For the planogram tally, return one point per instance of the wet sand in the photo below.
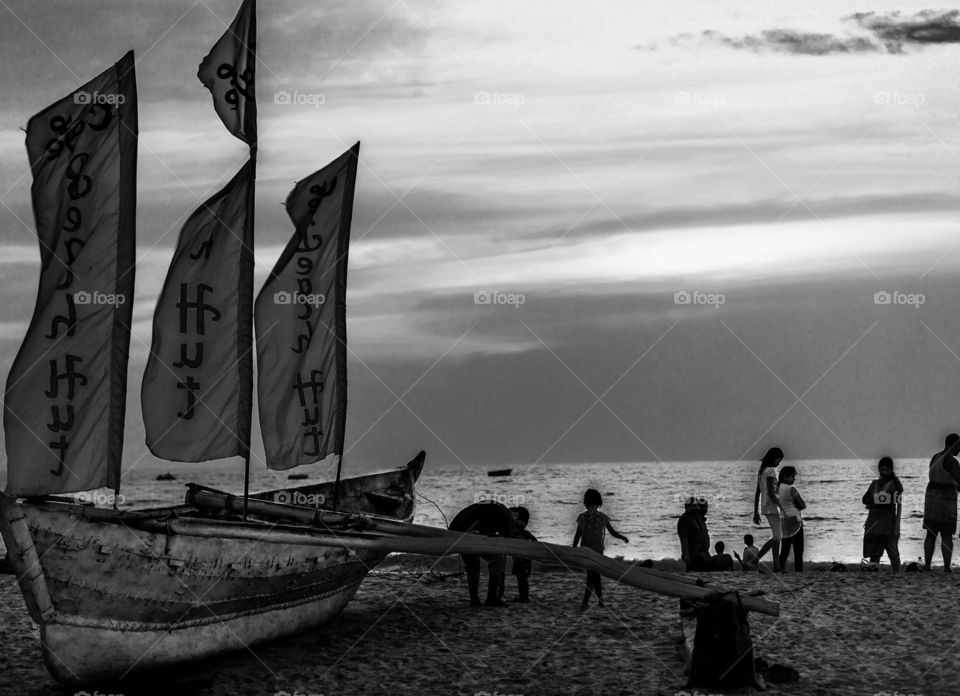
(845, 633)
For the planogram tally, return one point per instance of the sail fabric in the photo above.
(66, 392)
(197, 387)
(228, 71)
(301, 323)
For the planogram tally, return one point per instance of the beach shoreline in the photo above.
(409, 631)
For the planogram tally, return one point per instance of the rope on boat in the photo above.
(446, 522)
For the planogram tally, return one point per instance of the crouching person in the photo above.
(487, 519)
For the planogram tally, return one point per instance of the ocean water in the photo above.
(642, 499)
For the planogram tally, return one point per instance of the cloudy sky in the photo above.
(594, 165)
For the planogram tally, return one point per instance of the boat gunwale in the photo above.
(186, 510)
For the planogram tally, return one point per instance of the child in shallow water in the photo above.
(592, 525)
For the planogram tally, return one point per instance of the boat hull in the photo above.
(94, 654)
(119, 594)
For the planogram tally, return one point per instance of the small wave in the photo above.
(816, 518)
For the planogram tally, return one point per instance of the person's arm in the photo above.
(772, 492)
(756, 503)
(798, 501)
(743, 566)
(899, 489)
(684, 547)
(868, 496)
(954, 468)
(615, 533)
(576, 537)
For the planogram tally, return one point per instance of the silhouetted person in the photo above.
(767, 501)
(488, 519)
(882, 529)
(751, 555)
(694, 538)
(592, 525)
(940, 502)
(721, 560)
(791, 524)
(522, 567)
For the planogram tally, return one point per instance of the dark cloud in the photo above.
(48, 48)
(798, 42)
(897, 30)
(888, 32)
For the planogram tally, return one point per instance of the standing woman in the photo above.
(791, 526)
(882, 529)
(767, 501)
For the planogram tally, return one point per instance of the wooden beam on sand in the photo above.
(442, 542)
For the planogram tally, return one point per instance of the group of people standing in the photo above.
(776, 498)
(781, 503)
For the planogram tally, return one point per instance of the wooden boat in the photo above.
(500, 472)
(166, 477)
(116, 593)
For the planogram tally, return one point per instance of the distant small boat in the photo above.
(499, 472)
(166, 477)
(298, 477)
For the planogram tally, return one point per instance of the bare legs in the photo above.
(946, 548)
(774, 544)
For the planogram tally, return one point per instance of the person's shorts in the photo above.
(774, 522)
(941, 527)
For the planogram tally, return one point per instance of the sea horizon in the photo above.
(643, 499)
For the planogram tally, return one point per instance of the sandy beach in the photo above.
(845, 633)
